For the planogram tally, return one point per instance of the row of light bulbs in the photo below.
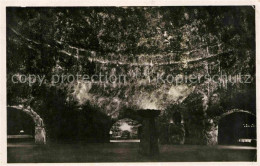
(247, 125)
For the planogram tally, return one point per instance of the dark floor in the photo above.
(124, 152)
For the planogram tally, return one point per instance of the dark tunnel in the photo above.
(237, 128)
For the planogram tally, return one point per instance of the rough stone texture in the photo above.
(211, 133)
(40, 135)
(138, 43)
(212, 136)
(172, 134)
(176, 134)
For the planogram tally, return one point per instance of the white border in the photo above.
(23, 3)
(127, 2)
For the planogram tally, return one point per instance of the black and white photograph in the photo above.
(106, 84)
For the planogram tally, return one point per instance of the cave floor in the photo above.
(123, 152)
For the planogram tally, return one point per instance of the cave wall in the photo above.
(139, 42)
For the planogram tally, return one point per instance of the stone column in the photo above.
(40, 135)
(149, 137)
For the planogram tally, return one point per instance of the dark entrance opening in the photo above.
(20, 126)
(237, 129)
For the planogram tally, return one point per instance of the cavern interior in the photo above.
(170, 75)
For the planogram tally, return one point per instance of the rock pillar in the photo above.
(40, 135)
(149, 137)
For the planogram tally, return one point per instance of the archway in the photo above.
(237, 127)
(25, 123)
(20, 126)
(176, 130)
(125, 130)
